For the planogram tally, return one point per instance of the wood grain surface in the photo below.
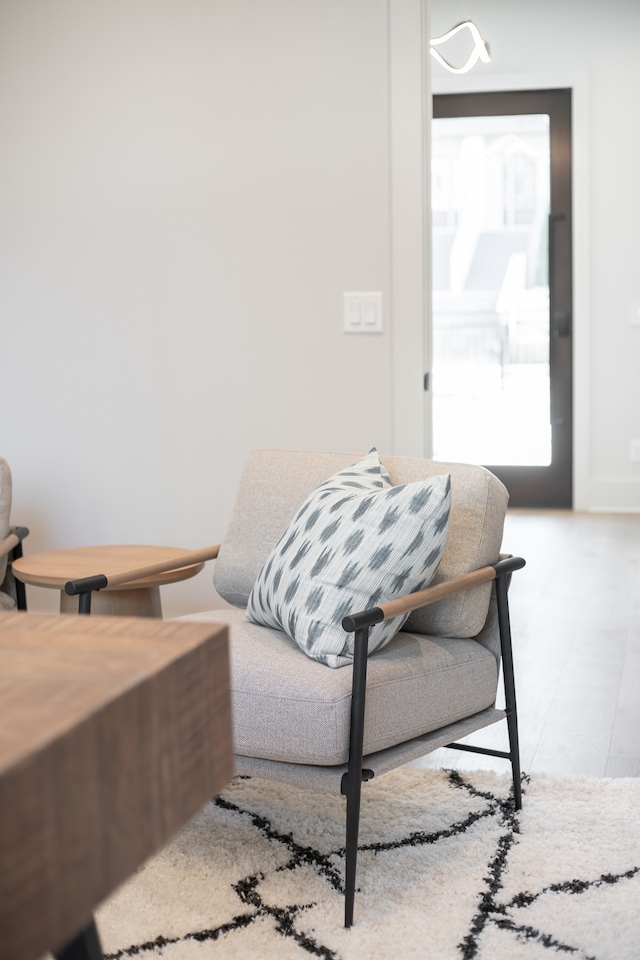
(421, 598)
(55, 567)
(114, 732)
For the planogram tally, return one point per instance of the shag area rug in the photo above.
(447, 870)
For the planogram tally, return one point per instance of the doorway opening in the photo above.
(501, 241)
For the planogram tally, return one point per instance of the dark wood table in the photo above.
(114, 732)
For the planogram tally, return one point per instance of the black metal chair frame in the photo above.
(352, 780)
(12, 547)
(360, 624)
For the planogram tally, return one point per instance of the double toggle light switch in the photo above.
(363, 313)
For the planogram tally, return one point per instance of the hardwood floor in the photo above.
(575, 615)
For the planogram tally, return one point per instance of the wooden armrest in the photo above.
(422, 598)
(12, 540)
(100, 581)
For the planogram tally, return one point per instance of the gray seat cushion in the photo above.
(6, 602)
(289, 707)
(5, 512)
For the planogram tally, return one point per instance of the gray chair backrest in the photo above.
(5, 509)
(275, 483)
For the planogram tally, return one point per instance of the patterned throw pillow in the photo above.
(356, 542)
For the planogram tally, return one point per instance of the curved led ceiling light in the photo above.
(480, 50)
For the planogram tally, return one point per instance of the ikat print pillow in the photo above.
(356, 542)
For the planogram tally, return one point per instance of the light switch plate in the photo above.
(362, 313)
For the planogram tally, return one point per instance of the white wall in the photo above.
(187, 188)
(592, 47)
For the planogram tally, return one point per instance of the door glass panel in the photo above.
(490, 209)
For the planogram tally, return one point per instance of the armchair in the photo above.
(12, 591)
(302, 722)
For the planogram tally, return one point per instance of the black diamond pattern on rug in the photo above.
(498, 913)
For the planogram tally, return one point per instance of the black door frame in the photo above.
(533, 486)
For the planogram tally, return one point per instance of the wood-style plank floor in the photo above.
(575, 616)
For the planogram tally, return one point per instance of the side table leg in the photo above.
(85, 946)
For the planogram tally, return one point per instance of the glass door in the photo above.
(501, 221)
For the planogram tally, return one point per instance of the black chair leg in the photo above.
(352, 780)
(84, 603)
(351, 856)
(85, 946)
(509, 686)
(512, 726)
(21, 593)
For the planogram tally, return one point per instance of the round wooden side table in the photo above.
(138, 598)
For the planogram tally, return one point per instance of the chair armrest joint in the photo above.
(85, 584)
(358, 621)
(11, 545)
(507, 565)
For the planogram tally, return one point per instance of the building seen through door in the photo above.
(501, 289)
